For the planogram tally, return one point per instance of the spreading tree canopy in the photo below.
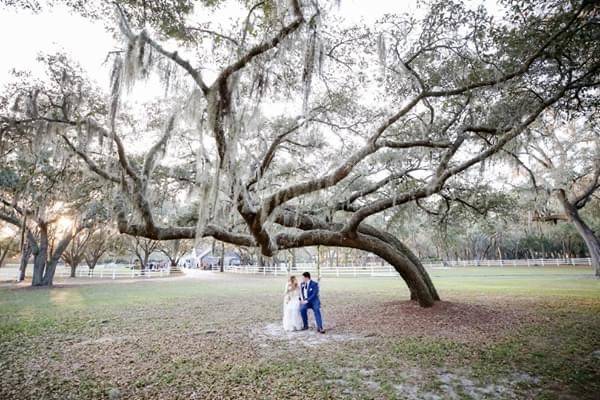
(291, 127)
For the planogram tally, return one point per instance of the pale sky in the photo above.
(25, 35)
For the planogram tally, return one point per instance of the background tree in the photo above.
(74, 254)
(9, 246)
(175, 249)
(143, 249)
(101, 241)
(561, 158)
(41, 188)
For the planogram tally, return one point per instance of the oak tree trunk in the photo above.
(413, 273)
(40, 257)
(222, 259)
(25, 255)
(587, 234)
(3, 256)
(369, 239)
(49, 273)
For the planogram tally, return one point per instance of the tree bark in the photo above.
(25, 255)
(222, 260)
(396, 243)
(26, 249)
(372, 240)
(73, 270)
(40, 257)
(49, 273)
(587, 234)
(3, 255)
(48, 279)
(259, 261)
(91, 262)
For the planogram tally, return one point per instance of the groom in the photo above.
(310, 299)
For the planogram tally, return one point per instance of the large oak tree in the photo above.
(300, 128)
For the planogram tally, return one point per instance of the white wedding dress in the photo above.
(292, 320)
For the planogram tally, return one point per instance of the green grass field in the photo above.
(498, 333)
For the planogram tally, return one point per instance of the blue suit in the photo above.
(313, 302)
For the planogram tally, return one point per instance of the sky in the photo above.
(25, 35)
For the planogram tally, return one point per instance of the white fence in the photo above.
(377, 269)
(102, 271)
(528, 262)
(119, 271)
(113, 271)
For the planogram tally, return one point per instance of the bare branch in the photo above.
(90, 163)
(211, 32)
(580, 201)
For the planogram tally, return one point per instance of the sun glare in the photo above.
(64, 224)
(7, 231)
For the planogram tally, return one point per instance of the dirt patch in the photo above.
(457, 385)
(463, 322)
(104, 341)
(309, 338)
(438, 384)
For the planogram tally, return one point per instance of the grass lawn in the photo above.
(500, 333)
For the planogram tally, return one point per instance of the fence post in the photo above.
(114, 276)
(101, 271)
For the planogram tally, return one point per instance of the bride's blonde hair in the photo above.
(293, 282)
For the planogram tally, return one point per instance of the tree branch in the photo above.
(194, 73)
(443, 173)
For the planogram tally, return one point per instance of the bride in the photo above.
(292, 320)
